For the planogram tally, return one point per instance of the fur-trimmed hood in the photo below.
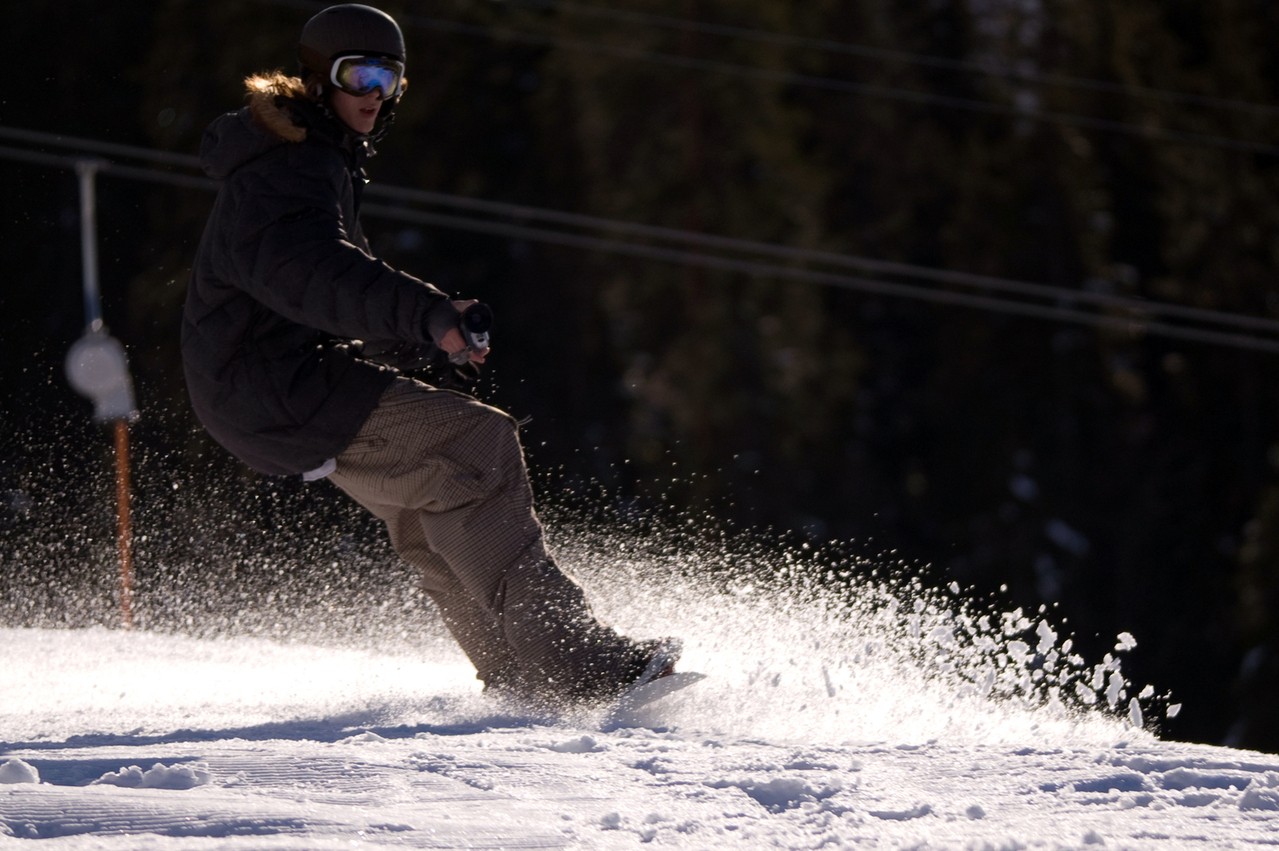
(272, 117)
(263, 92)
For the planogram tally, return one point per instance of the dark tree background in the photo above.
(827, 374)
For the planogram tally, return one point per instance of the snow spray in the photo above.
(796, 645)
(849, 651)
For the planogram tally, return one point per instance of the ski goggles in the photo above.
(359, 75)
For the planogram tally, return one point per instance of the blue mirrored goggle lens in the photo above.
(359, 75)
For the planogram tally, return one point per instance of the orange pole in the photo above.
(124, 526)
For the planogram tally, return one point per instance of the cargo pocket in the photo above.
(454, 484)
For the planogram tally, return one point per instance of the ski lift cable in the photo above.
(873, 90)
(791, 78)
(831, 258)
(1133, 324)
(1001, 70)
(629, 18)
(696, 245)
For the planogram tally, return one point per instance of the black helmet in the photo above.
(348, 29)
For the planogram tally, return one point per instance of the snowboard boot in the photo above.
(643, 662)
(602, 682)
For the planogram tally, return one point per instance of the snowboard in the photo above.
(636, 698)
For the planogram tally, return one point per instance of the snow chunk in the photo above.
(17, 771)
(157, 777)
(779, 794)
(1135, 717)
(903, 815)
(1262, 793)
(362, 738)
(582, 744)
(1114, 689)
(1124, 781)
(1047, 638)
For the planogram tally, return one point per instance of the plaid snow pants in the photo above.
(447, 476)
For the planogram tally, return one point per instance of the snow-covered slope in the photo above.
(125, 740)
(886, 720)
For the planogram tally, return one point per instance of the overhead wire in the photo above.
(698, 239)
(1135, 323)
(760, 259)
(997, 69)
(1019, 111)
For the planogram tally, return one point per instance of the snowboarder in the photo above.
(291, 334)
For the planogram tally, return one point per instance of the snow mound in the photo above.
(1262, 793)
(17, 771)
(157, 777)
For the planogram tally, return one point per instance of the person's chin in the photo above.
(361, 129)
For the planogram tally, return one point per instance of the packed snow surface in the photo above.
(884, 720)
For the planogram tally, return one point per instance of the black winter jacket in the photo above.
(283, 282)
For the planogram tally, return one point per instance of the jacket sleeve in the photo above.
(294, 249)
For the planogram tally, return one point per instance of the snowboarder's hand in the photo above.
(452, 342)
